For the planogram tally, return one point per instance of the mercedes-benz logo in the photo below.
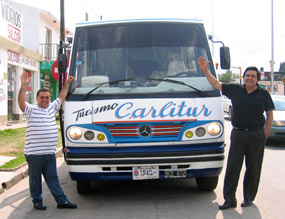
(145, 131)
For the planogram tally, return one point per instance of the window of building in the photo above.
(30, 88)
(12, 95)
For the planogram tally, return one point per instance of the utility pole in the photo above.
(61, 60)
(62, 25)
(272, 49)
(61, 52)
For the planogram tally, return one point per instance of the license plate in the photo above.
(148, 172)
(175, 173)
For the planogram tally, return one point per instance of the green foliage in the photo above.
(7, 132)
(226, 77)
(14, 163)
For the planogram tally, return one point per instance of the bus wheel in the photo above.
(83, 187)
(207, 183)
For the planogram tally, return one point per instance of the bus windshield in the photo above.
(137, 58)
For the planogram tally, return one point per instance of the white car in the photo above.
(227, 105)
(278, 126)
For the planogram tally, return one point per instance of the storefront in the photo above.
(14, 59)
(47, 80)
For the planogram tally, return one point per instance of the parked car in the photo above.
(278, 126)
(227, 103)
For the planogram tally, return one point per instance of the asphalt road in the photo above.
(155, 199)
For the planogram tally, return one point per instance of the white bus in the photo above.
(140, 108)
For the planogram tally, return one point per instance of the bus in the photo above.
(140, 108)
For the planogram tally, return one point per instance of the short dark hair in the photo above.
(42, 90)
(252, 68)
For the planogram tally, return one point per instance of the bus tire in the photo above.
(207, 183)
(83, 187)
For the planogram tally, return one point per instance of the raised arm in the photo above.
(22, 92)
(212, 80)
(63, 93)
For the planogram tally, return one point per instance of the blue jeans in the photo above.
(46, 165)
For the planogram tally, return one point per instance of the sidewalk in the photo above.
(8, 178)
(13, 125)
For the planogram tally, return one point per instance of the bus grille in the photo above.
(154, 131)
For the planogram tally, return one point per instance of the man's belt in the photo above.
(246, 129)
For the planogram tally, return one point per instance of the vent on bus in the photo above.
(155, 130)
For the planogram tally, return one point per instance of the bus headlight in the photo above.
(189, 134)
(75, 133)
(200, 132)
(89, 135)
(101, 137)
(214, 128)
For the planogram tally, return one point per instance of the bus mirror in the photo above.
(62, 63)
(225, 57)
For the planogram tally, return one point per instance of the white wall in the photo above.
(3, 83)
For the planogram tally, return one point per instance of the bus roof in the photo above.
(167, 20)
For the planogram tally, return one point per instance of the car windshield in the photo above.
(279, 103)
(143, 52)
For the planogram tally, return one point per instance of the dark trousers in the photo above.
(44, 165)
(249, 145)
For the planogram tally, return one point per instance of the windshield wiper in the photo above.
(87, 95)
(201, 93)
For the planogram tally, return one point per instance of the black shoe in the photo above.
(228, 205)
(40, 206)
(68, 204)
(246, 203)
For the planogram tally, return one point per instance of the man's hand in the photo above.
(25, 79)
(64, 91)
(212, 80)
(69, 80)
(22, 93)
(268, 123)
(203, 64)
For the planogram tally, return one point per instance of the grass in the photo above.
(12, 144)
(14, 163)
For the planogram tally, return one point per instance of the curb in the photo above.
(15, 168)
(22, 173)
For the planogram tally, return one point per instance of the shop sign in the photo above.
(29, 62)
(14, 21)
(5, 75)
(13, 57)
(2, 94)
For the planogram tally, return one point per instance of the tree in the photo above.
(226, 77)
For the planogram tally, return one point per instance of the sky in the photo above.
(245, 26)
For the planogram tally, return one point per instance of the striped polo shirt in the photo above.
(42, 132)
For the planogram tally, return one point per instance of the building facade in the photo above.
(29, 39)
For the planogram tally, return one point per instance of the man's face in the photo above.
(43, 99)
(250, 78)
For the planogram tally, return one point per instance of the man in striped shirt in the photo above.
(41, 141)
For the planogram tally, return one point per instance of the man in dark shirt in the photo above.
(248, 136)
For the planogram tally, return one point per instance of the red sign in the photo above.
(54, 70)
